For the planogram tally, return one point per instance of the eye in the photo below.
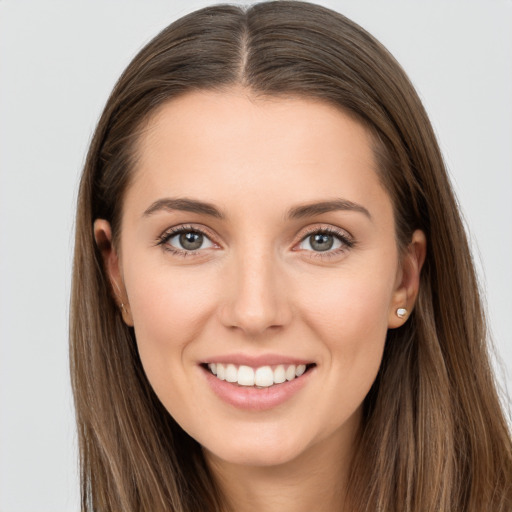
(185, 240)
(325, 241)
(320, 242)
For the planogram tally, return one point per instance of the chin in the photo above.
(258, 457)
(257, 451)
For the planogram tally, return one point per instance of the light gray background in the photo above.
(59, 61)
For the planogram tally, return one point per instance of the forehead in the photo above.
(221, 145)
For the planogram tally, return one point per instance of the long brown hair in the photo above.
(433, 436)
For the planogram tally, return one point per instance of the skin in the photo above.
(256, 286)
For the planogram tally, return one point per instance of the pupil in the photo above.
(321, 242)
(191, 241)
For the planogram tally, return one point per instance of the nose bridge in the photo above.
(256, 300)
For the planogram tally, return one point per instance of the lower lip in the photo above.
(256, 399)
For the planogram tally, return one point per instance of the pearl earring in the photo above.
(401, 312)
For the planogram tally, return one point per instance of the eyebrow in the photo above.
(312, 209)
(298, 212)
(184, 205)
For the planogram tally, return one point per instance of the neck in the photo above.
(315, 480)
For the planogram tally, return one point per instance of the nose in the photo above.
(255, 296)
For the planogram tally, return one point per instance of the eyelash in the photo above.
(346, 241)
(164, 238)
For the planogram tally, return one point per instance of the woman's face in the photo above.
(257, 238)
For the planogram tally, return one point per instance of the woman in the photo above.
(274, 306)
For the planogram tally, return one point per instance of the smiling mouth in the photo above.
(260, 377)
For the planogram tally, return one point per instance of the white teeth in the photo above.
(262, 377)
(245, 376)
(221, 372)
(231, 373)
(279, 374)
(300, 370)
(290, 372)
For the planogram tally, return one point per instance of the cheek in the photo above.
(350, 304)
(351, 317)
(169, 311)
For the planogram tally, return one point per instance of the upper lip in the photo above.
(256, 361)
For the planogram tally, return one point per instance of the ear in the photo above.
(408, 280)
(103, 237)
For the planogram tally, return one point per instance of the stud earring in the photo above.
(401, 312)
(123, 309)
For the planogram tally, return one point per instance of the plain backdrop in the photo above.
(58, 63)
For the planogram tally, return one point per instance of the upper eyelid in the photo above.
(184, 228)
(331, 230)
